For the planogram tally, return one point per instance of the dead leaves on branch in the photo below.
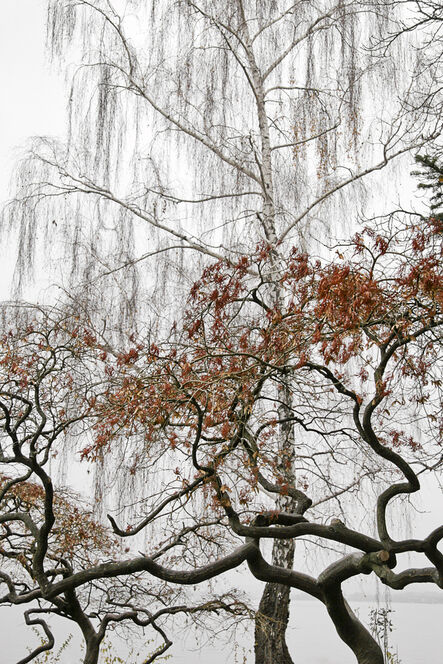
(76, 534)
(365, 325)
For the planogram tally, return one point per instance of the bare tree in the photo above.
(357, 341)
(51, 379)
(207, 128)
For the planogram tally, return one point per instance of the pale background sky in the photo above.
(32, 101)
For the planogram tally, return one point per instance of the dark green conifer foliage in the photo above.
(431, 176)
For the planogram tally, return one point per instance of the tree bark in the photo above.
(273, 613)
(272, 620)
(92, 651)
(92, 639)
(351, 630)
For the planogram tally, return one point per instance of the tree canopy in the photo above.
(358, 342)
(248, 136)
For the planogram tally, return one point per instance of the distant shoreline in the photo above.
(400, 599)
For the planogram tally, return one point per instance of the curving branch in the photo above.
(44, 647)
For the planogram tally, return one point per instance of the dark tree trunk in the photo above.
(92, 652)
(92, 638)
(351, 630)
(270, 626)
(273, 613)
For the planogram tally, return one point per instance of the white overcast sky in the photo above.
(32, 98)
(33, 103)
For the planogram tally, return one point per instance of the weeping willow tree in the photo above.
(199, 130)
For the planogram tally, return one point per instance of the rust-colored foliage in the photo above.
(75, 532)
(362, 326)
(342, 357)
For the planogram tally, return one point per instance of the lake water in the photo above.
(417, 637)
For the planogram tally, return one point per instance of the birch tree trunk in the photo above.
(272, 617)
(259, 168)
(273, 612)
